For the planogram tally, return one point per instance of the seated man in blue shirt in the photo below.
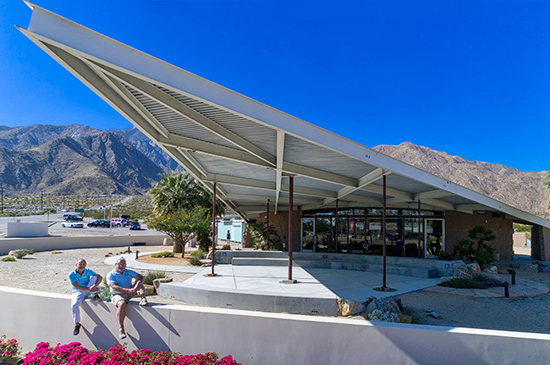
(85, 282)
(124, 283)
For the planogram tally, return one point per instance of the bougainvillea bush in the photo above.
(9, 351)
(75, 354)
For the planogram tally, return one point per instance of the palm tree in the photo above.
(181, 192)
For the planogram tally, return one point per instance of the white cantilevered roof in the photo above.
(249, 149)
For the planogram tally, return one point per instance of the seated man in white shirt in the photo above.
(85, 282)
(124, 284)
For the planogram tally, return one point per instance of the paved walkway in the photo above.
(319, 283)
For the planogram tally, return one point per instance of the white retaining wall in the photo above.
(64, 243)
(262, 338)
(27, 229)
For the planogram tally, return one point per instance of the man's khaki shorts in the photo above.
(115, 298)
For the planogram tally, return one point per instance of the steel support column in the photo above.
(290, 209)
(213, 231)
(384, 232)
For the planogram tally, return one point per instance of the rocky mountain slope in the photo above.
(523, 190)
(143, 144)
(77, 159)
(83, 163)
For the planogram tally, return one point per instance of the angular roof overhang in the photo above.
(247, 148)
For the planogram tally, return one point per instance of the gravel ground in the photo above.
(44, 271)
(47, 272)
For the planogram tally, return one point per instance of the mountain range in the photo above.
(80, 160)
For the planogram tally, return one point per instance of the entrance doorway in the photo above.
(434, 237)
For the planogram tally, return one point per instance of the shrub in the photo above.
(152, 275)
(463, 283)
(105, 290)
(7, 259)
(195, 260)
(475, 282)
(20, 253)
(226, 247)
(9, 351)
(162, 254)
(200, 253)
(75, 353)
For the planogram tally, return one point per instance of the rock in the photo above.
(434, 315)
(388, 305)
(491, 270)
(457, 267)
(149, 289)
(404, 318)
(350, 307)
(156, 282)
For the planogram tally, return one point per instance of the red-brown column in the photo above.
(384, 231)
(213, 230)
(290, 209)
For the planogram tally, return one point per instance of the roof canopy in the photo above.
(248, 148)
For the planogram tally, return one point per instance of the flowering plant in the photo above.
(74, 353)
(9, 350)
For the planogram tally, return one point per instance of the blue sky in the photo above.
(471, 78)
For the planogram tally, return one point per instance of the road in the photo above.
(56, 230)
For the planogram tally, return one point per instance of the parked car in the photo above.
(117, 222)
(72, 217)
(72, 224)
(135, 225)
(100, 223)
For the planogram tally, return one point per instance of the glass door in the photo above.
(434, 237)
(308, 234)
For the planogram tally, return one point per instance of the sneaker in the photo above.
(77, 329)
(97, 298)
(121, 333)
(143, 302)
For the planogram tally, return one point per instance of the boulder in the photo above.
(388, 305)
(445, 278)
(491, 270)
(156, 282)
(149, 289)
(404, 318)
(350, 307)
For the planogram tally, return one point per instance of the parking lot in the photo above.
(55, 229)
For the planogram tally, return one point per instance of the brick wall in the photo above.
(540, 243)
(280, 222)
(457, 225)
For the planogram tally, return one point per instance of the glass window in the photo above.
(308, 233)
(324, 227)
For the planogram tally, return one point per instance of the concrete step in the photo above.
(260, 261)
(230, 298)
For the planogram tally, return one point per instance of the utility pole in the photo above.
(2, 194)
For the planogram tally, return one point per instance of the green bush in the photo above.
(20, 253)
(152, 275)
(475, 282)
(199, 253)
(463, 283)
(7, 259)
(105, 290)
(163, 254)
(195, 260)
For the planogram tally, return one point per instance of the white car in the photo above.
(72, 224)
(117, 222)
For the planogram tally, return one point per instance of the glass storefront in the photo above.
(359, 231)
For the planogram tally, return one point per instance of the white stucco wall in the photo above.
(262, 338)
(19, 229)
(64, 243)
